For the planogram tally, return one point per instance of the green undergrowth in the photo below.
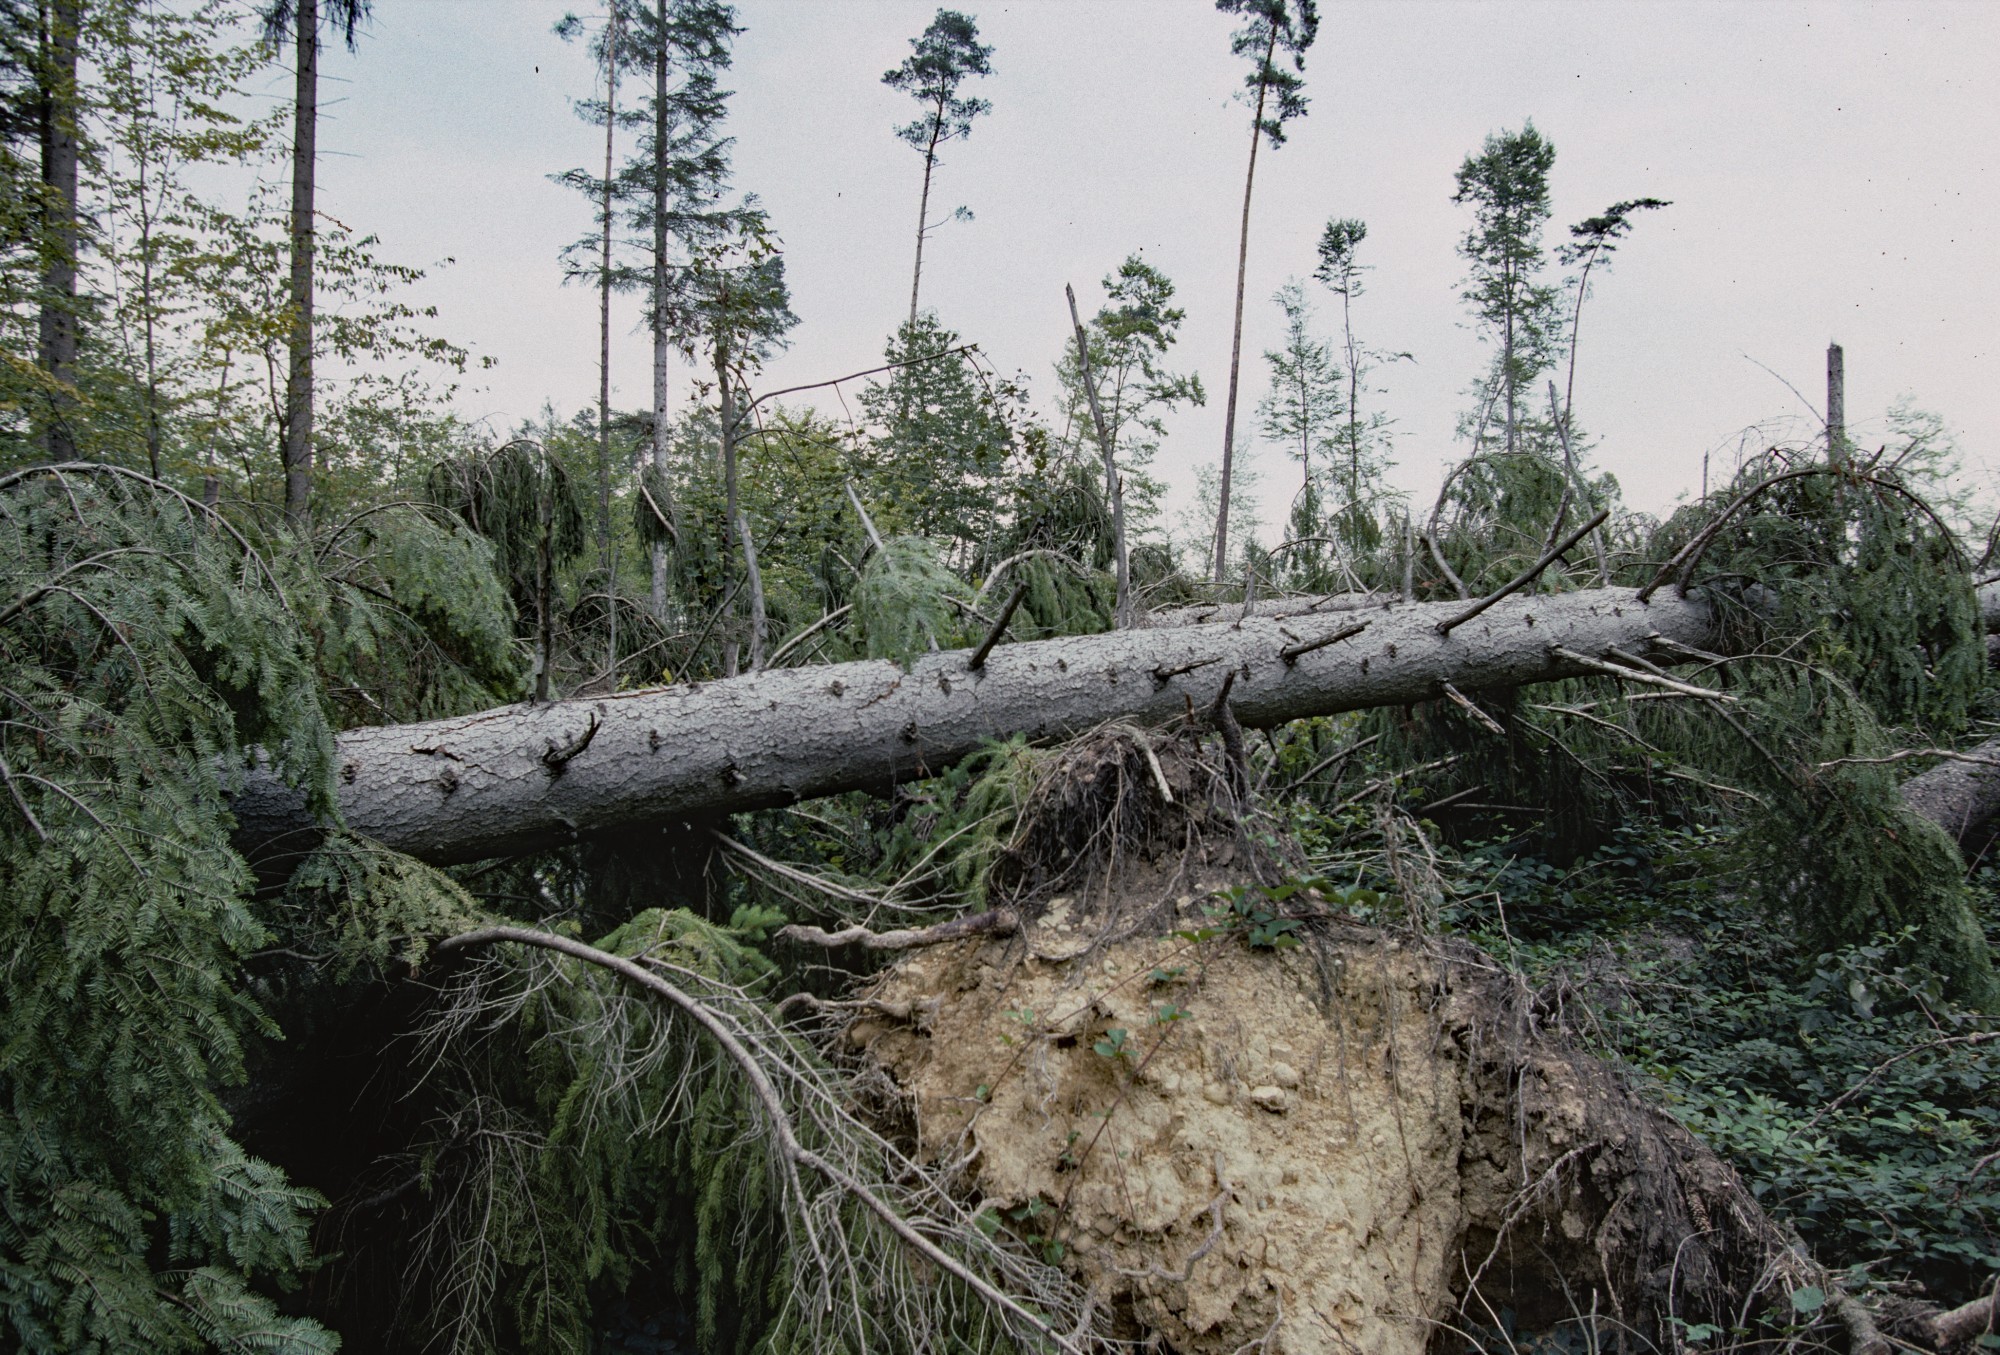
(1861, 1105)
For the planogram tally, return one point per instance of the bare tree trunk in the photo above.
(545, 581)
(605, 562)
(756, 579)
(1836, 405)
(58, 318)
(1113, 487)
(1236, 340)
(527, 777)
(533, 776)
(923, 212)
(1963, 798)
(726, 397)
(662, 340)
(298, 445)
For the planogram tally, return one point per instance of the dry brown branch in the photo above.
(992, 922)
(795, 641)
(978, 659)
(1975, 1037)
(1464, 703)
(1962, 1323)
(1526, 576)
(794, 874)
(1635, 675)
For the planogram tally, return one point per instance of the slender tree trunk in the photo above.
(605, 562)
(152, 343)
(1507, 370)
(58, 317)
(1836, 405)
(545, 581)
(726, 399)
(923, 211)
(662, 338)
(298, 445)
(756, 579)
(1353, 399)
(1113, 486)
(1575, 330)
(1236, 338)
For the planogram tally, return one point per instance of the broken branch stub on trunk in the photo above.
(477, 786)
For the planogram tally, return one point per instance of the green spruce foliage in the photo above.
(144, 651)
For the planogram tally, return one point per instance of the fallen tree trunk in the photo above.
(531, 776)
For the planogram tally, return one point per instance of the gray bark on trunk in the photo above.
(297, 452)
(533, 776)
(58, 311)
(537, 775)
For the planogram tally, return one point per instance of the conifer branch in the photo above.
(795, 1154)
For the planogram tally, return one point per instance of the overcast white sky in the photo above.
(1832, 168)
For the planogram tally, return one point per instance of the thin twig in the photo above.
(1975, 1037)
(867, 523)
(1526, 576)
(1450, 575)
(1324, 763)
(978, 659)
(794, 874)
(793, 643)
(1464, 703)
(1159, 774)
(1290, 653)
(1634, 675)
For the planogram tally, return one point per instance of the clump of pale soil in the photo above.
(1319, 1149)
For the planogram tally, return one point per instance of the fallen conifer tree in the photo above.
(526, 777)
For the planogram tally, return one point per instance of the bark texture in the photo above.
(1963, 798)
(531, 776)
(536, 775)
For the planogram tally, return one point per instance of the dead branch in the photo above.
(1464, 703)
(1526, 576)
(992, 922)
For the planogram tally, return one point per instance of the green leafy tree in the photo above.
(942, 445)
(60, 111)
(1507, 187)
(301, 21)
(141, 656)
(167, 80)
(1278, 96)
(743, 309)
(942, 58)
(1129, 338)
(1300, 413)
(1362, 441)
(673, 189)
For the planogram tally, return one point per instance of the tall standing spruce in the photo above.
(610, 51)
(59, 113)
(1507, 186)
(300, 20)
(675, 184)
(943, 58)
(1278, 96)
